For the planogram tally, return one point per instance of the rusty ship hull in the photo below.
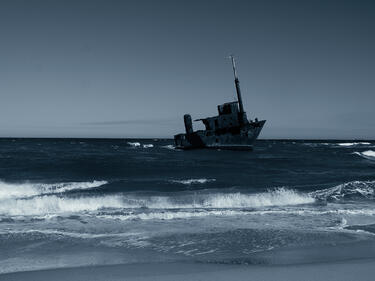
(237, 139)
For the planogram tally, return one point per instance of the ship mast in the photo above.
(237, 84)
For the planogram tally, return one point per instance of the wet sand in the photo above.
(358, 270)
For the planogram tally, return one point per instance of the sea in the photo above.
(84, 202)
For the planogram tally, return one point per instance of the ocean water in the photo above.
(77, 202)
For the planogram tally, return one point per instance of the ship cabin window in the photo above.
(216, 124)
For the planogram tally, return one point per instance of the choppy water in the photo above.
(78, 202)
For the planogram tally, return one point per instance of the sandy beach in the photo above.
(358, 270)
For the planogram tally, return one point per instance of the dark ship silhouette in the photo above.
(229, 130)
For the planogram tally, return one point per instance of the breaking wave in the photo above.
(45, 200)
(24, 190)
(53, 204)
(368, 154)
(278, 197)
(349, 190)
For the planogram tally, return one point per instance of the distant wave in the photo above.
(134, 144)
(349, 190)
(369, 154)
(334, 144)
(316, 144)
(147, 145)
(353, 143)
(24, 190)
(169, 146)
(138, 144)
(193, 181)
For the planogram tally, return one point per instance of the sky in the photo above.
(120, 69)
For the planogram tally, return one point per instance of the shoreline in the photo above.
(359, 270)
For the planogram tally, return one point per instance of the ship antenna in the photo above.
(237, 84)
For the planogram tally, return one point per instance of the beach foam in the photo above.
(170, 215)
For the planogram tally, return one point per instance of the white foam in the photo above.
(47, 205)
(198, 213)
(148, 145)
(70, 234)
(310, 212)
(171, 215)
(353, 143)
(193, 181)
(134, 144)
(368, 154)
(52, 204)
(24, 190)
(169, 146)
(278, 197)
(363, 188)
(315, 144)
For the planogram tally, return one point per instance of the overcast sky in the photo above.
(133, 68)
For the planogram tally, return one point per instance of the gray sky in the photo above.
(133, 68)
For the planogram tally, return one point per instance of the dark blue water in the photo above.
(70, 202)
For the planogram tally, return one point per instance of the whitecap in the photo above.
(368, 154)
(147, 145)
(346, 144)
(134, 144)
(193, 181)
(169, 146)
